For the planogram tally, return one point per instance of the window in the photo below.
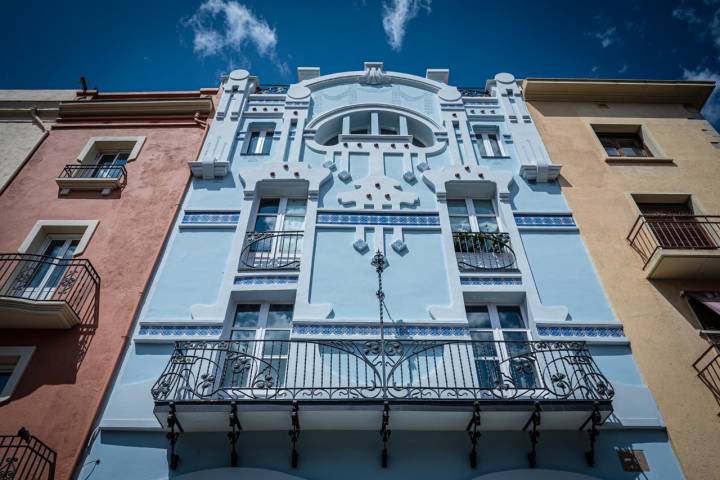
(13, 362)
(674, 225)
(38, 280)
(280, 214)
(108, 165)
(500, 345)
(472, 215)
(259, 141)
(263, 332)
(489, 144)
(706, 307)
(624, 145)
(277, 240)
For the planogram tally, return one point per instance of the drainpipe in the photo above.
(46, 131)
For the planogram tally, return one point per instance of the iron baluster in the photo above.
(378, 262)
(385, 432)
(294, 433)
(474, 433)
(595, 419)
(234, 434)
(173, 436)
(534, 434)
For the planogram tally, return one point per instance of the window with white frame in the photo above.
(489, 144)
(500, 337)
(262, 332)
(108, 165)
(472, 215)
(277, 239)
(259, 141)
(13, 362)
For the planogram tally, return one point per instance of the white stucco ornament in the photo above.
(449, 94)
(374, 74)
(505, 78)
(239, 74)
(298, 92)
(377, 192)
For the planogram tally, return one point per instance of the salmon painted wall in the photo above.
(62, 388)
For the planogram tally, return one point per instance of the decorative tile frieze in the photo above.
(364, 330)
(544, 220)
(180, 330)
(211, 218)
(581, 331)
(490, 281)
(377, 219)
(266, 280)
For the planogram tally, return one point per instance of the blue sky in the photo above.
(184, 44)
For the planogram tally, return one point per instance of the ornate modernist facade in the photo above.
(367, 253)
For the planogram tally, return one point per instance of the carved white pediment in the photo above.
(378, 192)
(284, 177)
(468, 180)
(374, 74)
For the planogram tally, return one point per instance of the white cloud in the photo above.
(594, 68)
(711, 111)
(623, 69)
(226, 27)
(396, 16)
(607, 37)
(686, 15)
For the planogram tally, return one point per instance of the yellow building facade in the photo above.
(641, 173)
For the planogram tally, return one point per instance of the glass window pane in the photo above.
(243, 335)
(510, 317)
(487, 224)
(280, 316)
(488, 373)
(457, 207)
(253, 142)
(295, 207)
(265, 223)
(247, 316)
(4, 378)
(612, 151)
(478, 316)
(276, 343)
(269, 205)
(460, 224)
(483, 207)
(293, 223)
(267, 143)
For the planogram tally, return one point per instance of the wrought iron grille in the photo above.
(483, 251)
(95, 171)
(272, 251)
(40, 278)
(707, 366)
(24, 457)
(473, 92)
(651, 233)
(356, 370)
(272, 89)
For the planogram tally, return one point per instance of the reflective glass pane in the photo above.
(280, 316)
(265, 223)
(4, 378)
(295, 207)
(483, 207)
(523, 373)
(487, 224)
(276, 342)
(510, 317)
(517, 343)
(488, 373)
(247, 316)
(457, 207)
(293, 223)
(269, 205)
(253, 142)
(460, 224)
(478, 316)
(267, 142)
(243, 335)
(494, 145)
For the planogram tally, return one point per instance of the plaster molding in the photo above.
(282, 174)
(23, 354)
(377, 192)
(97, 145)
(43, 228)
(459, 178)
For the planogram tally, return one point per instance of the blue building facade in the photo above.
(375, 274)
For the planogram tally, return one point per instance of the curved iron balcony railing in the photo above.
(115, 172)
(473, 92)
(23, 456)
(272, 251)
(482, 251)
(361, 370)
(272, 89)
(41, 279)
(651, 233)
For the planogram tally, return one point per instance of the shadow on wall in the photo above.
(549, 188)
(612, 110)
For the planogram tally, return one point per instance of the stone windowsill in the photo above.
(637, 160)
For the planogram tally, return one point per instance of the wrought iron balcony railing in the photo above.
(38, 278)
(272, 89)
(481, 251)
(362, 370)
(272, 251)
(23, 456)
(473, 92)
(651, 233)
(115, 172)
(707, 365)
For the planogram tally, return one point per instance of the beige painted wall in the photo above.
(19, 132)
(663, 332)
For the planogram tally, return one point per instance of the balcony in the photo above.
(91, 177)
(678, 246)
(346, 384)
(23, 456)
(484, 252)
(707, 365)
(271, 251)
(46, 292)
